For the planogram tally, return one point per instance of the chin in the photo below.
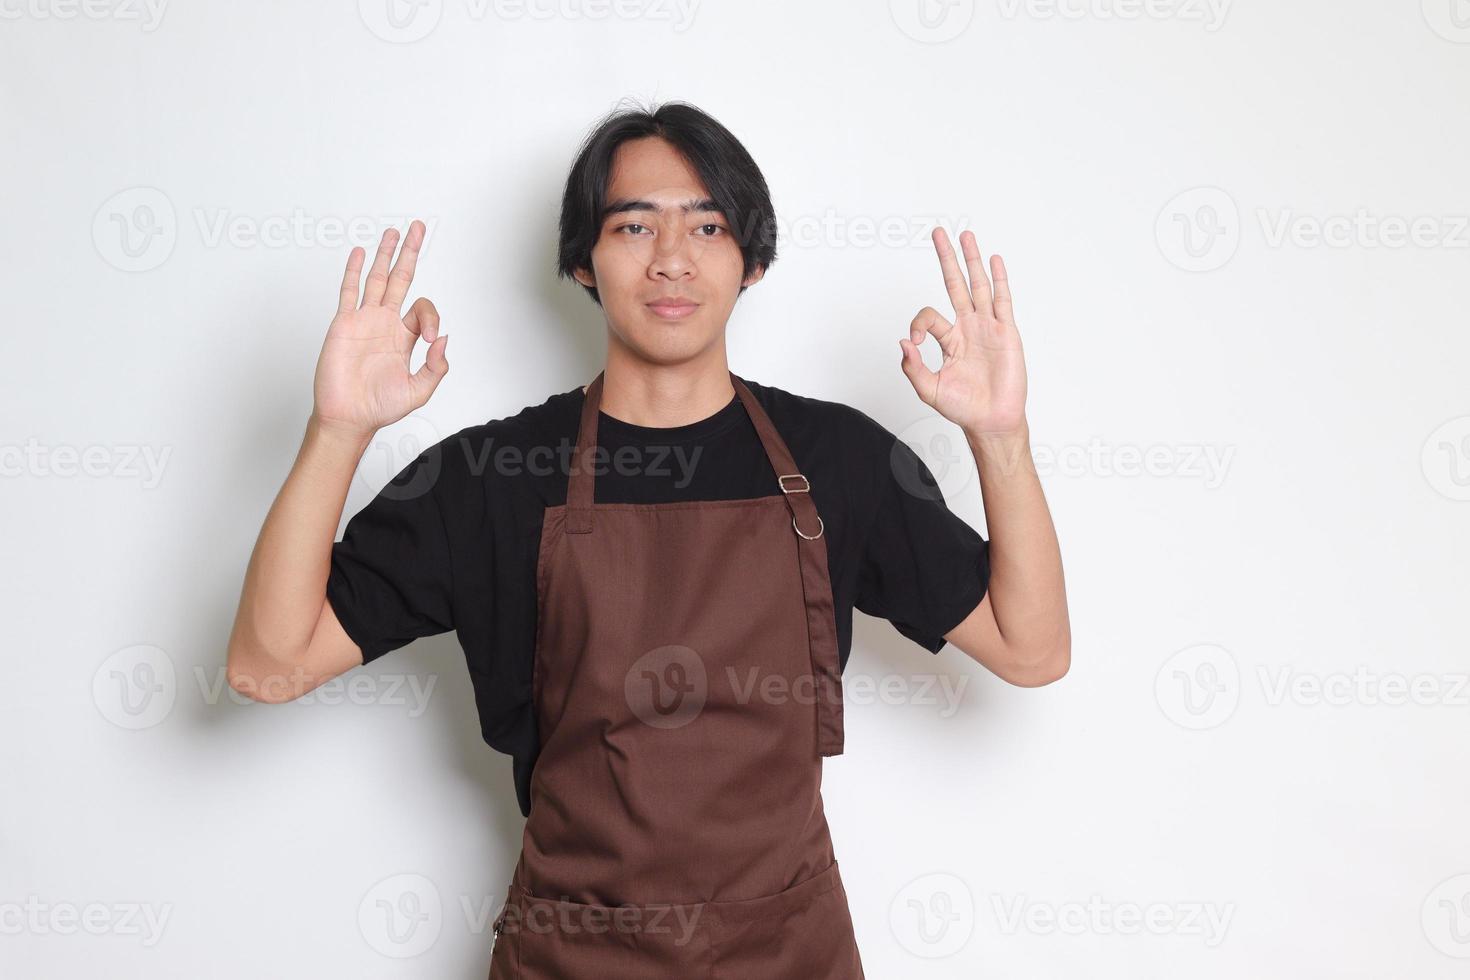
(667, 349)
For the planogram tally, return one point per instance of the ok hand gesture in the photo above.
(981, 386)
(362, 379)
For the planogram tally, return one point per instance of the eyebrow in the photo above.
(623, 205)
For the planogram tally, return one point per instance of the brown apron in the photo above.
(686, 686)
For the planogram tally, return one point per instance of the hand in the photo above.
(362, 380)
(981, 386)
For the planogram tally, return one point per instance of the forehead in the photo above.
(651, 169)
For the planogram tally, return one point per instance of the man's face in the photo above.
(667, 265)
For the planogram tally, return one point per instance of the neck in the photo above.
(665, 395)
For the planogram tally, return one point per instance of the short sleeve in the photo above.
(923, 567)
(390, 578)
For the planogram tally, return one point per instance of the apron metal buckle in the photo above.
(811, 537)
(499, 924)
(781, 481)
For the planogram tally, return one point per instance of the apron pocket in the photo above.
(558, 940)
(803, 932)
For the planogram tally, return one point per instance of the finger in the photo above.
(954, 280)
(1003, 309)
(377, 280)
(979, 284)
(422, 320)
(930, 320)
(402, 274)
(925, 381)
(351, 281)
(431, 372)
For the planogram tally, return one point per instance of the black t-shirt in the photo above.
(451, 542)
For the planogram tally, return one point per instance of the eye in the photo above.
(620, 228)
(717, 229)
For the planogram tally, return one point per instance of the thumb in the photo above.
(431, 372)
(925, 381)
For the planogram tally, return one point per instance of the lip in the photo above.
(673, 308)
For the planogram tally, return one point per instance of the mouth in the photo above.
(673, 308)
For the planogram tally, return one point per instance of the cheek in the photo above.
(617, 261)
(728, 256)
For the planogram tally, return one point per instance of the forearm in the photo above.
(1027, 592)
(286, 578)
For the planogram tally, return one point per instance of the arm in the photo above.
(286, 639)
(1020, 630)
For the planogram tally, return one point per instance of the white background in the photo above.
(1229, 757)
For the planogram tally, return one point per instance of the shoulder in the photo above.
(837, 425)
(527, 427)
(837, 445)
(500, 449)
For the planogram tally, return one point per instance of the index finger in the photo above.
(954, 280)
(402, 274)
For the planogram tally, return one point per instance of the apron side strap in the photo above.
(580, 479)
(815, 577)
(821, 626)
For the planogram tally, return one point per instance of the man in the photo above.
(653, 575)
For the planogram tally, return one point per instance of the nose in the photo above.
(675, 252)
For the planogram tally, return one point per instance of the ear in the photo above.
(585, 277)
(755, 276)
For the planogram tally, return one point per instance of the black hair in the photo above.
(722, 163)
